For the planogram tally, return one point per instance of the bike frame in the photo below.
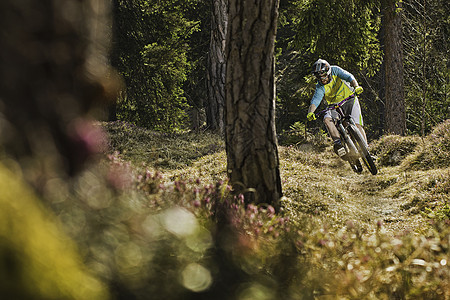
(341, 123)
(351, 137)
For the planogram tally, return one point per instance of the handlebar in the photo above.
(335, 105)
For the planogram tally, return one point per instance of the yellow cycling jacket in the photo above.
(336, 90)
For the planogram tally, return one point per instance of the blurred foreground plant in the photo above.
(181, 238)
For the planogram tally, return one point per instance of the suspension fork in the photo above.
(350, 145)
(358, 132)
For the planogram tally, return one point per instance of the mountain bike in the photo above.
(351, 138)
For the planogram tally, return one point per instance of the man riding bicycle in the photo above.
(334, 85)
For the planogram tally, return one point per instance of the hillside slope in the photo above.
(412, 184)
(322, 184)
(340, 235)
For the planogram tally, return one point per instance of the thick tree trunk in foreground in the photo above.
(54, 75)
(395, 112)
(217, 66)
(251, 142)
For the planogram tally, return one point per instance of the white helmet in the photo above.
(320, 68)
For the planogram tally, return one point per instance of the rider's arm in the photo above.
(312, 108)
(343, 74)
(315, 101)
(317, 97)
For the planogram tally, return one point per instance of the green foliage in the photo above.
(426, 29)
(195, 86)
(295, 135)
(151, 46)
(343, 32)
(298, 134)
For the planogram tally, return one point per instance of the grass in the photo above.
(158, 149)
(158, 218)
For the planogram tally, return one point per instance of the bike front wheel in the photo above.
(362, 149)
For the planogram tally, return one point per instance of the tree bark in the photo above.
(217, 66)
(54, 74)
(395, 112)
(251, 142)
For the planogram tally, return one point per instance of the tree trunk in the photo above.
(217, 66)
(54, 72)
(395, 113)
(251, 142)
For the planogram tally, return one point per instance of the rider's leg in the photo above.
(363, 132)
(334, 133)
(332, 130)
(357, 117)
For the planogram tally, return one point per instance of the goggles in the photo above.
(321, 75)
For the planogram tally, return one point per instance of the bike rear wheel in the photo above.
(362, 149)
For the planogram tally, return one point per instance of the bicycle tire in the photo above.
(352, 151)
(347, 141)
(362, 149)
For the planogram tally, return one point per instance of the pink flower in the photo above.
(88, 138)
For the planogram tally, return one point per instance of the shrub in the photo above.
(391, 150)
(433, 152)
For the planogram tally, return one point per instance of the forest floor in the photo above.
(339, 235)
(321, 184)
(369, 205)
(314, 180)
(344, 196)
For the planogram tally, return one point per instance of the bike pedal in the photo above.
(341, 152)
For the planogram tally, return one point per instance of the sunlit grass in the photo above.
(340, 235)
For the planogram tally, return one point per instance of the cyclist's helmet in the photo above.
(321, 68)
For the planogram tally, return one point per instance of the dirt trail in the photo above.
(372, 203)
(328, 184)
(378, 204)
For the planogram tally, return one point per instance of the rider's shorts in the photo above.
(351, 107)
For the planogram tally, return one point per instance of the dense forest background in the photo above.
(161, 49)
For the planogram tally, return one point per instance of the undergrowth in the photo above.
(391, 150)
(150, 229)
(433, 152)
(159, 149)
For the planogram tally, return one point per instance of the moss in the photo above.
(158, 149)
